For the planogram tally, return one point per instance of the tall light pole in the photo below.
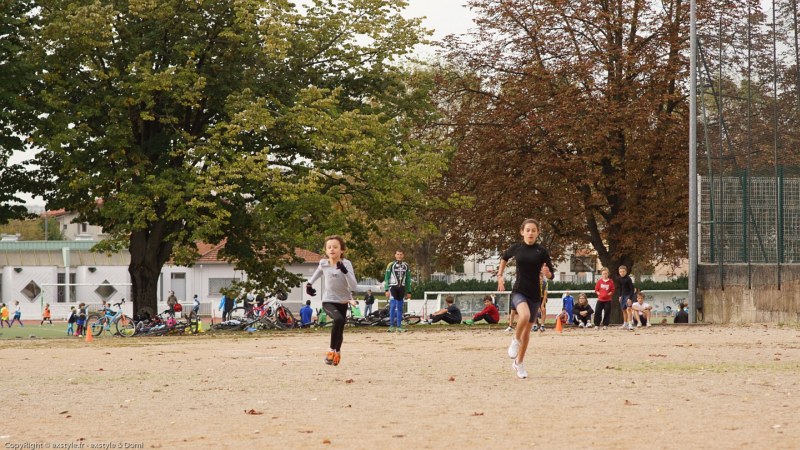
(693, 161)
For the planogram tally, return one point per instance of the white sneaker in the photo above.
(513, 349)
(589, 324)
(580, 325)
(638, 324)
(648, 324)
(509, 329)
(605, 327)
(520, 368)
(624, 326)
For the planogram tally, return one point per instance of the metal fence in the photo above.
(749, 220)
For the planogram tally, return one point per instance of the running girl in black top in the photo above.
(532, 259)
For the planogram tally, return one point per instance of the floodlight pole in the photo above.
(692, 300)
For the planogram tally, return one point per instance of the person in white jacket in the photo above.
(340, 281)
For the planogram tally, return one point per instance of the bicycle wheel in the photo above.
(98, 326)
(284, 319)
(125, 326)
(237, 314)
(410, 319)
(193, 322)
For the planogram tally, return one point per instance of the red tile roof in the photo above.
(56, 213)
(209, 253)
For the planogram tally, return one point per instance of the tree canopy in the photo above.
(574, 113)
(17, 81)
(168, 122)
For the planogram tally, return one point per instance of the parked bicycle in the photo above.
(123, 325)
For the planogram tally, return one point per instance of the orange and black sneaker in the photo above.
(329, 358)
(336, 358)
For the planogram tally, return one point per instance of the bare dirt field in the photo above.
(661, 387)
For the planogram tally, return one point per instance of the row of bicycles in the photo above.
(270, 315)
(264, 316)
(379, 318)
(144, 324)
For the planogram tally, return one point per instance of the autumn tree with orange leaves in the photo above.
(574, 113)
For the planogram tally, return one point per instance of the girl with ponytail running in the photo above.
(340, 280)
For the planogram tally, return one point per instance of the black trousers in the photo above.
(485, 317)
(338, 313)
(603, 309)
(582, 319)
(447, 317)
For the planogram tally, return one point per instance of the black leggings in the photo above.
(337, 312)
(603, 309)
(485, 317)
(447, 317)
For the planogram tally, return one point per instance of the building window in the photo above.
(61, 293)
(216, 285)
(84, 227)
(105, 290)
(31, 291)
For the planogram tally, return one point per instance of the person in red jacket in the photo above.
(489, 312)
(604, 288)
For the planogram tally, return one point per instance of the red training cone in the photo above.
(89, 337)
(559, 326)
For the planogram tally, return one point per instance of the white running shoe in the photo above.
(513, 349)
(648, 324)
(580, 324)
(589, 325)
(509, 329)
(520, 368)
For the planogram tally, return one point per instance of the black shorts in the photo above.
(517, 299)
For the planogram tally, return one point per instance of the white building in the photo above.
(35, 273)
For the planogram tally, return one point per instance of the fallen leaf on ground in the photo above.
(452, 378)
(253, 412)
(477, 414)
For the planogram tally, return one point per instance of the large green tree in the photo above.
(17, 79)
(173, 121)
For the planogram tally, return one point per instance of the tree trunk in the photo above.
(149, 252)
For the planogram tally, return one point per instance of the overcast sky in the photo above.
(444, 17)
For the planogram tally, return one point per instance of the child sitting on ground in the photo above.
(641, 311)
(450, 313)
(582, 312)
(489, 313)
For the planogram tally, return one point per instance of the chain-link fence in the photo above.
(749, 219)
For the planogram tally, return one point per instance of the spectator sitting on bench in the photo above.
(450, 314)
(641, 311)
(489, 313)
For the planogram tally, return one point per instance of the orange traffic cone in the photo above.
(559, 326)
(89, 337)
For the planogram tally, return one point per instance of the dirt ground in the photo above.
(662, 387)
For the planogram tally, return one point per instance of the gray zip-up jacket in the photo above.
(338, 286)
